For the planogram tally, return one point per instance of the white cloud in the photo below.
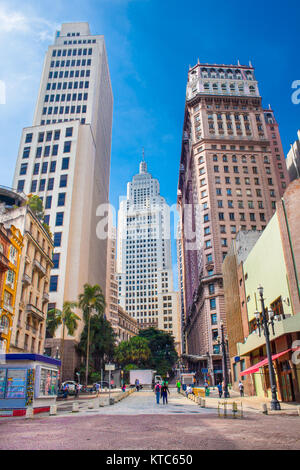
(13, 21)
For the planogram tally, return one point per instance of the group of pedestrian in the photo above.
(162, 391)
(221, 388)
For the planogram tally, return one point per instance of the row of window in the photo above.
(65, 110)
(72, 63)
(44, 167)
(55, 135)
(66, 97)
(47, 150)
(71, 52)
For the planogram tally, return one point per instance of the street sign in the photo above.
(110, 366)
(204, 371)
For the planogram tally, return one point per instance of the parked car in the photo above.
(71, 386)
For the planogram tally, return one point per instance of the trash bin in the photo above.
(207, 392)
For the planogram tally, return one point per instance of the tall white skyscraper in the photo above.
(144, 262)
(64, 158)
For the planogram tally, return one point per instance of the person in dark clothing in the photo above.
(164, 393)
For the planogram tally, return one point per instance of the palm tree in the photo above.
(91, 299)
(68, 319)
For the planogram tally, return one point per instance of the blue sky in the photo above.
(150, 45)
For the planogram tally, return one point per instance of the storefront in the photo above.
(27, 380)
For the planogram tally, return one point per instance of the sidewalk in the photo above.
(251, 403)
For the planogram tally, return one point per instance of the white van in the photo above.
(158, 379)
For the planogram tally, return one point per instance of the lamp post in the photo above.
(262, 320)
(224, 343)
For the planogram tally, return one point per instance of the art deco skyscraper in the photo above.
(64, 158)
(144, 262)
(232, 172)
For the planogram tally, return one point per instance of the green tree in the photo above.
(163, 354)
(36, 205)
(102, 343)
(65, 317)
(135, 351)
(91, 300)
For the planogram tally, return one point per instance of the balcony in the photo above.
(45, 297)
(4, 263)
(35, 312)
(8, 308)
(26, 279)
(39, 267)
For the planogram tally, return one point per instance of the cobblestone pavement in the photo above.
(137, 423)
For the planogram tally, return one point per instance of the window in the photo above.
(59, 219)
(53, 283)
(57, 239)
(42, 185)
(65, 164)
(21, 184)
(55, 259)
(214, 319)
(211, 288)
(67, 147)
(33, 186)
(26, 152)
(50, 184)
(48, 202)
(44, 167)
(28, 138)
(55, 150)
(63, 181)
(23, 169)
(61, 199)
(53, 166)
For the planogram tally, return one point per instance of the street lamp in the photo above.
(224, 344)
(263, 320)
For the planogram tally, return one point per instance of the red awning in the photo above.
(262, 363)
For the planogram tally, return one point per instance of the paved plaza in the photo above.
(138, 423)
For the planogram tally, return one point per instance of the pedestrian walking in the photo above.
(165, 391)
(123, 388)
(98, 389)
(241, 387)
(157, 392)
(137, 384)
(77, 388)
(178, 385)
(220, 388)
(66, 391)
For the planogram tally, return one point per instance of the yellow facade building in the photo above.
(9, 289)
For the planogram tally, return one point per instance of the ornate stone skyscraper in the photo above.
(232, 172)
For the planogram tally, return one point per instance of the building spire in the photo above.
(143, 164)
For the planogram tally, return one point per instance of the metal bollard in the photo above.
(203, 403)
(298, 408)
(264, 408)
(90, 405)
(53, 410)
(29, 413)
(75, 407)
